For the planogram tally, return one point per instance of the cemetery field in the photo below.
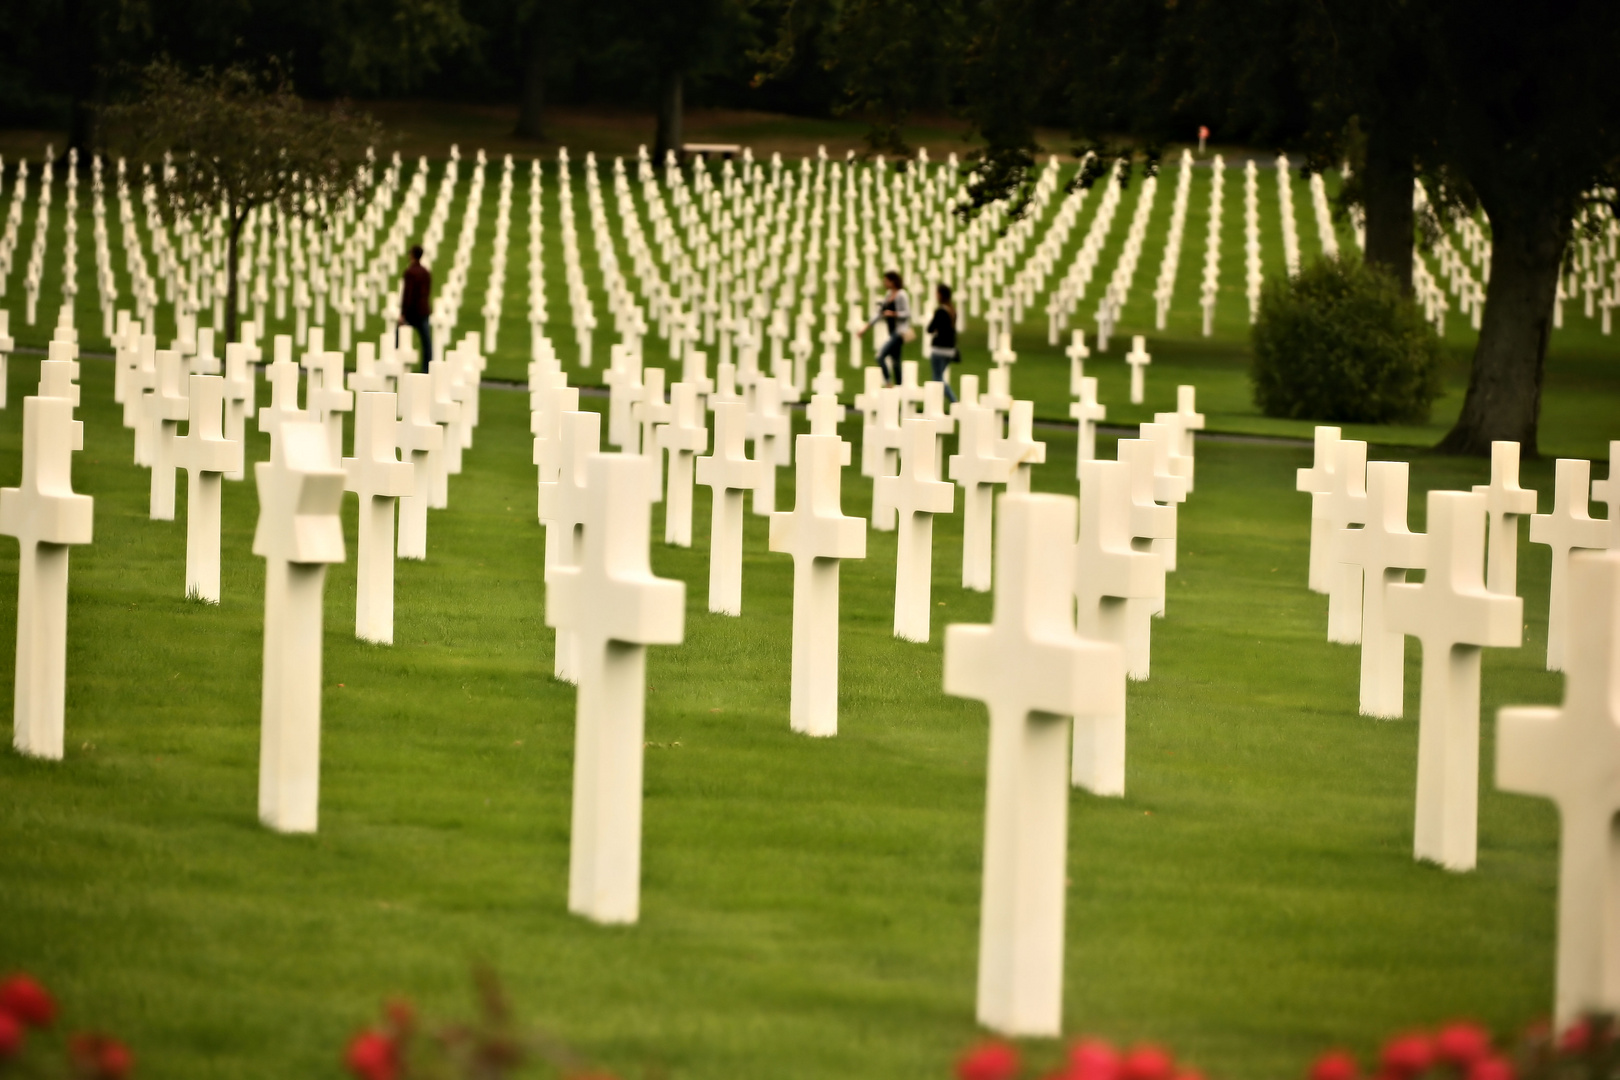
(809, 907)
(1580, 397)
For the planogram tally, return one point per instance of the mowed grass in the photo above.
(809, 907)
(1581, 395)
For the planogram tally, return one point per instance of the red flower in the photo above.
(1490, 1068)
(1575, 1039)
(1461, 1044)
(28, 1001)
(1093, 1059)
(371, 1056)
(1408, 1055)
(99, 1057)
(1334, 1065)
(401, 1015)
(12, 1034)
(1147, 1063)
(989, 1061)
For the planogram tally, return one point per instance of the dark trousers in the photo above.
(424, 332)
(891, 351)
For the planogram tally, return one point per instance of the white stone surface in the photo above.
(1346, 506)
(46, 516)
(818, 535)
(1139, 359)
(208, 457)
(379, 480)
(241, 397)
(613, 607)
(1318, 481)
(884, 438)
(1608, 493)
(1150, 522)
(915, 495)
(1569, 528)
(1019, 446)
(683, 438)
(651, 412)
(1087, 413)
(729, 472)
(422, 440)
(1572, 756)
(1033, 672)
(1454, 616)
(565, 508)
(166, 408)
(1108, 572)
(770, 429)
(298, 534)
(1505, 502)
(1384, 549)
(977, 468)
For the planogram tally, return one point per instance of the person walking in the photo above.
(942, 350)
(416, 304)
(894, 310)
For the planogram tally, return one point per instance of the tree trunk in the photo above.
(1386, 184)
(669, 136)
(532, 95)
(230, 275)
(1504, 389)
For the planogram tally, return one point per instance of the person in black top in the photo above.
(942, 346)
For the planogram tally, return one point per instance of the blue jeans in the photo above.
(891, 351)
(941, 361)
(424, 331)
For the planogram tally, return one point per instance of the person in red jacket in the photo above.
(416, 304)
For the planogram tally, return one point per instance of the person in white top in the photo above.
(894, 310)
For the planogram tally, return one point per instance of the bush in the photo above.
(1340, 342)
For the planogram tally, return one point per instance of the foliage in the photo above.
(490, 1047)
(243, 141)
(1340, 342)
(25, 1007)
(1587, 1050)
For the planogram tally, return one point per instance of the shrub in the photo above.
(1340, 342)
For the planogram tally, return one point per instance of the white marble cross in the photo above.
(867, 404)
(613, 607)
(1152, 521)
(1566, 530)
(1454, 616)
(652, 412)
(915, 495)
(367, 377)
(379, 480)
(1139, 359)
(1034, 673)
(565, 507)
(1384, 549)
(818, 534)
(241, 393)
(207, 456)
(624, 390)
(423, 441)
(325, 397)
(1087, 413)
(1108, 573)
(1077, 354)
(1572, 756)
(977, 468)
(8, 343)
(884, 437)
(1181, 425)
(446, 412)
(1346, 506)
(729, 472)
(683, 438)
(45, 515)
(1318, 482)
(1019, 446)
(1506, 502)
(299, 531)
(283, 408)
(140, 382)
(770, 428)
(166, 408)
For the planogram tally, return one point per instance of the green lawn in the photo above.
(809, 907)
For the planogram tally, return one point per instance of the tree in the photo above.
(1529, 114)
(240, 142)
